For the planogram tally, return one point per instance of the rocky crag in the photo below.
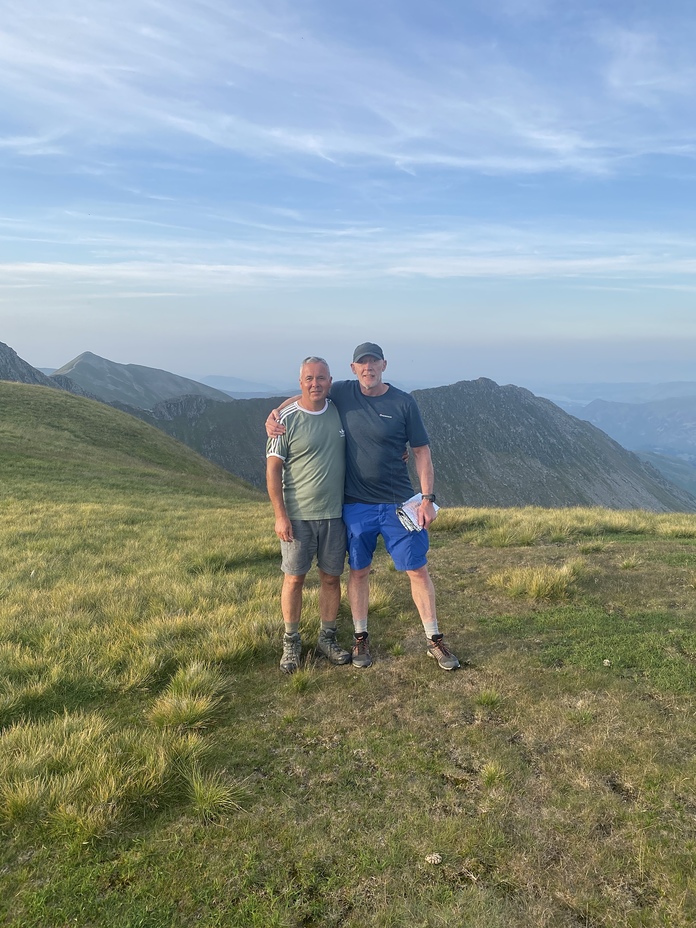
(503, 446)
(15, 369)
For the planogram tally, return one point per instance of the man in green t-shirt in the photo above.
(305, 471)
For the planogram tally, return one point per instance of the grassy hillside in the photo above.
(54, 443)
(157, 770)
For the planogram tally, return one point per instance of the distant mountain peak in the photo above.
(132, 384)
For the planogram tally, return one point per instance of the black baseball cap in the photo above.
(368, 348)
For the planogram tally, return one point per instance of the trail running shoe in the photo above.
(442, 654)
(292, 653)
(361, 652)
(330, 648)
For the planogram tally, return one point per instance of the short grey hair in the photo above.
(313, 359)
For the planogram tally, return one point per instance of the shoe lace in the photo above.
(360, 646)
(292, 650)
(439, 645)
(332, 645)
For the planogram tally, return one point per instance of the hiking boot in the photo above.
(330, 648)
(442, 654)
(292, 653)
(361, 652)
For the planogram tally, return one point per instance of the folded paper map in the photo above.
(408, 513)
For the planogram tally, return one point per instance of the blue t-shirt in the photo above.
(377, 428)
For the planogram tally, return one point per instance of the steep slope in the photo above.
(54, 442)
(676, 470)
(492, 446)
(664, 427)
(504, 446)
(230, 434)
(14, 368)
(131, 384)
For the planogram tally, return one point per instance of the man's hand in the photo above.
(426, 513)
(283, 528)
(273, 425)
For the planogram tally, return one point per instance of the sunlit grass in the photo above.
(213, 795)
(530, 524)
(157, 769)
(545, 583)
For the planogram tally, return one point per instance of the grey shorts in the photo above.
(323, 538)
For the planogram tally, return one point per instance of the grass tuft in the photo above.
(545, 583)
(192, 699)
(213, 797)
(303, 680)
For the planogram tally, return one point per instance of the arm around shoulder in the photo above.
(274, 428)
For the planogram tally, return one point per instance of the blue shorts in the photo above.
(365, 521)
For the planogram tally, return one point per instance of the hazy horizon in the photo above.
(270, 380)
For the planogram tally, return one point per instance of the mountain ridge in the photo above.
(491, 445)
(132, 384)
(476, 462)
(17, 370)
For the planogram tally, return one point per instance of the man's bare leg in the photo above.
(423, 593)
(291, 601)
(359, 599)
(329, 599)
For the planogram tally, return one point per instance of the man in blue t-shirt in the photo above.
(380, 421)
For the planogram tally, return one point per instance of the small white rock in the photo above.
(434, 858)
(607, 663)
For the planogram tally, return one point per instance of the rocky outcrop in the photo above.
(14, 368)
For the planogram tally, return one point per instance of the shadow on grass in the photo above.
(219, 563)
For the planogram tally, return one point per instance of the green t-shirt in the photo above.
(313, 450)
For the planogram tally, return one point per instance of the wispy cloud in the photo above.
(346, 257)
(176, 155)
(265, 83)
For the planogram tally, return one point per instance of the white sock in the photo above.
(360, 626)
(430, 629)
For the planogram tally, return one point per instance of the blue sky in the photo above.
(500, 188)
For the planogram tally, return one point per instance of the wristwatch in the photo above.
(429, 496)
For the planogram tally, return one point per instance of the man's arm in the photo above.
(273, 426)
(274, 483)
(426, 475)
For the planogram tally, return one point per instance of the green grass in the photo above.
(157, 769)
